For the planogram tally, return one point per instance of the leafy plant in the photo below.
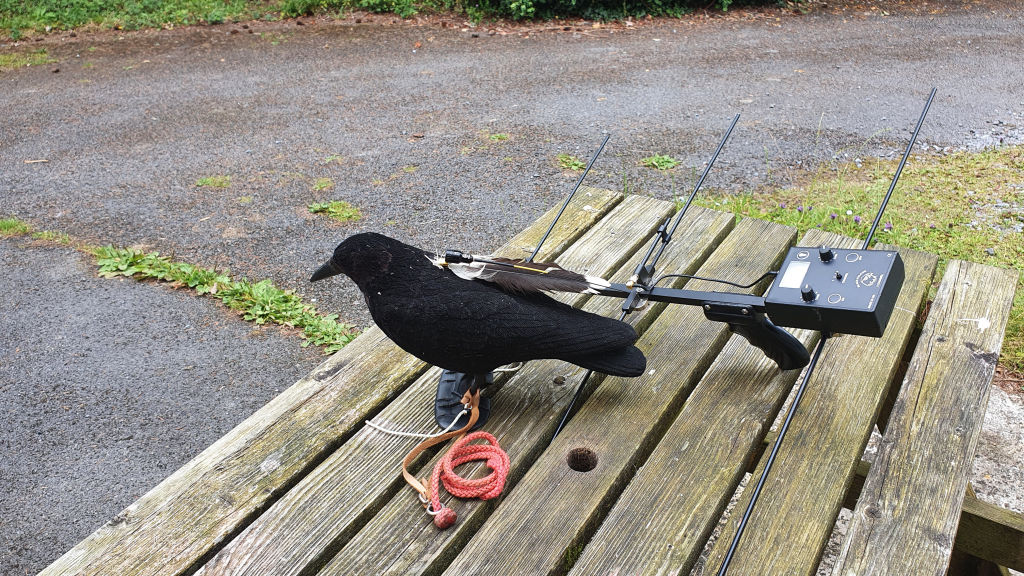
(570, 162)
(220, 181)
(20, 16)
(259, 302)
(659, 162)
(322, 184)
(336, 209)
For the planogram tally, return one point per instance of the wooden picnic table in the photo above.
(305, 487)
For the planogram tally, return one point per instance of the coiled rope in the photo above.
(460, 453)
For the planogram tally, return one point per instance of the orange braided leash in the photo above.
(460, 453)
(483, 488)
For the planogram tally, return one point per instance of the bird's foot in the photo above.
(448, 407)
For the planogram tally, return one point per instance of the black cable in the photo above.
(695, 277)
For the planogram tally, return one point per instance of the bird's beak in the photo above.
(326, 271)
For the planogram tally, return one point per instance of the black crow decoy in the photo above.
(473, 326)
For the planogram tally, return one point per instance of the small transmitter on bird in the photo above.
(836, 290)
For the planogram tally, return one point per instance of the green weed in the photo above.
(13, 227)
(570, 162)
(500, 137)
(11, 61)
(659, 162)
(51, 236)
(220, 181)
(259, 302)
(323, 184)
(336, 209)
(18, 17)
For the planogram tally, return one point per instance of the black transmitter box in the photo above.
(836, 290)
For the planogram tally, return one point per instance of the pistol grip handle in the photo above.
(776, 343)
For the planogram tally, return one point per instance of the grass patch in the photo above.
(13, 60)
(570, 162)
(19, 16)
(13, 227)
(336, 210)
(500, 137)
(259, 302)
(51, 236)
(323, 184)
(220, 181)
(967, 206)
(659, 162)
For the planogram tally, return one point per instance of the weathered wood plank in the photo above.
(661, 521)
(398, 541)
(554, 508)
(191, 513)
(992, 533)
(310, 522)
(906, 518)
(794, 516)
(984, 530)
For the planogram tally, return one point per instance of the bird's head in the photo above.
(362, 257)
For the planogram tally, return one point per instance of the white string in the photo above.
(510, 368)
(416, 434)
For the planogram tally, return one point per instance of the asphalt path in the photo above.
(442, 134)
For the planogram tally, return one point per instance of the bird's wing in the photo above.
(475, 327)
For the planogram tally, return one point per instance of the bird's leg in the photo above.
(448, 405)
(480, 381)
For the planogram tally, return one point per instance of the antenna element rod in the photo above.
(664, 241)
(772, 455)
(899, 169)
(568, 199)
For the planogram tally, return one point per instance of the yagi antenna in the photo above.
(644, 269)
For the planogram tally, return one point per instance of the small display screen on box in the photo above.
(794, 275)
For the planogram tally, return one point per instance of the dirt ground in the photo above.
(443, 134)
